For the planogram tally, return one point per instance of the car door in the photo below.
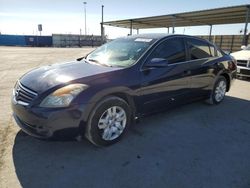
(201, 57)
(164, 86)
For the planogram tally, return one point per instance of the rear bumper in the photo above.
(49, 123)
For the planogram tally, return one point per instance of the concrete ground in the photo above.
(196, 145)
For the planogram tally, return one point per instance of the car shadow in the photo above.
(195, 145)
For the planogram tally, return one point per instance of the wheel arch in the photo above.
(122, 92)
(227, 77)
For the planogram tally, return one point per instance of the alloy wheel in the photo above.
(220, 91)
(112, 123)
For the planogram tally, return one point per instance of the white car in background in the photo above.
(243, 61)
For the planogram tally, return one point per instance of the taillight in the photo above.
(232, 65)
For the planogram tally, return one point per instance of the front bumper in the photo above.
(47, 123)
(243, 71)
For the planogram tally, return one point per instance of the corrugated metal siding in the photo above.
(38, 40)
(61, 40)
(12, 40)
(25, 40)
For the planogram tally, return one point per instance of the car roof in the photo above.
(159, 36)
(150, 35)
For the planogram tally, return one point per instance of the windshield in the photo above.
(121, 52)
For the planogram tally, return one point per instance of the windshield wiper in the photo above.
(98, 62)
(94, 60)
(80, 58)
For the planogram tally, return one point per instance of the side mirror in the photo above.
(157, 62)
(243, 47)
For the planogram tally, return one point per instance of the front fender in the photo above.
(93, 101)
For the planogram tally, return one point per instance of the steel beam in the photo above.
(173, 23)
(244, 41)
(131, 27)
(232, 43)
(210, 32)
(102, 28)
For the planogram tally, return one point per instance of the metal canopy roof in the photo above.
(226, 15)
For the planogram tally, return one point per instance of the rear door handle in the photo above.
(186, 72)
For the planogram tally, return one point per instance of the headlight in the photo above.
(63, 96)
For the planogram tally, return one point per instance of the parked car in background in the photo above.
(100, 95)
(243, 61)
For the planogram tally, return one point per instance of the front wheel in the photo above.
(219, 91)
(108, 121)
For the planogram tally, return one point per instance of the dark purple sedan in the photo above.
(100, 95)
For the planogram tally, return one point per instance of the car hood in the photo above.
(241, 55)
(44, 78)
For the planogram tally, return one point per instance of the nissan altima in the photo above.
(99, 96)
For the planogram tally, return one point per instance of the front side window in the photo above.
(172, 50)
(121, 52)
(198, 49)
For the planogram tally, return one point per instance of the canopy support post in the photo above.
(173, 22)
(210, 33)
(131, 27)
(244, 41)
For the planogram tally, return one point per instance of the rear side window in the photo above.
(171, 49)
(198, 49)
(219, 53)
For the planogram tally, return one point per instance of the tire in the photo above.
(219, 90)
(108, 121)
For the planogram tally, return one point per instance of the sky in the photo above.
(67, 17)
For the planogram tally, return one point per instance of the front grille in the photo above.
(245, 71)
(23, 94)
(242, 63)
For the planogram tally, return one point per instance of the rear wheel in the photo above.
(108, 122)
(219, 91)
